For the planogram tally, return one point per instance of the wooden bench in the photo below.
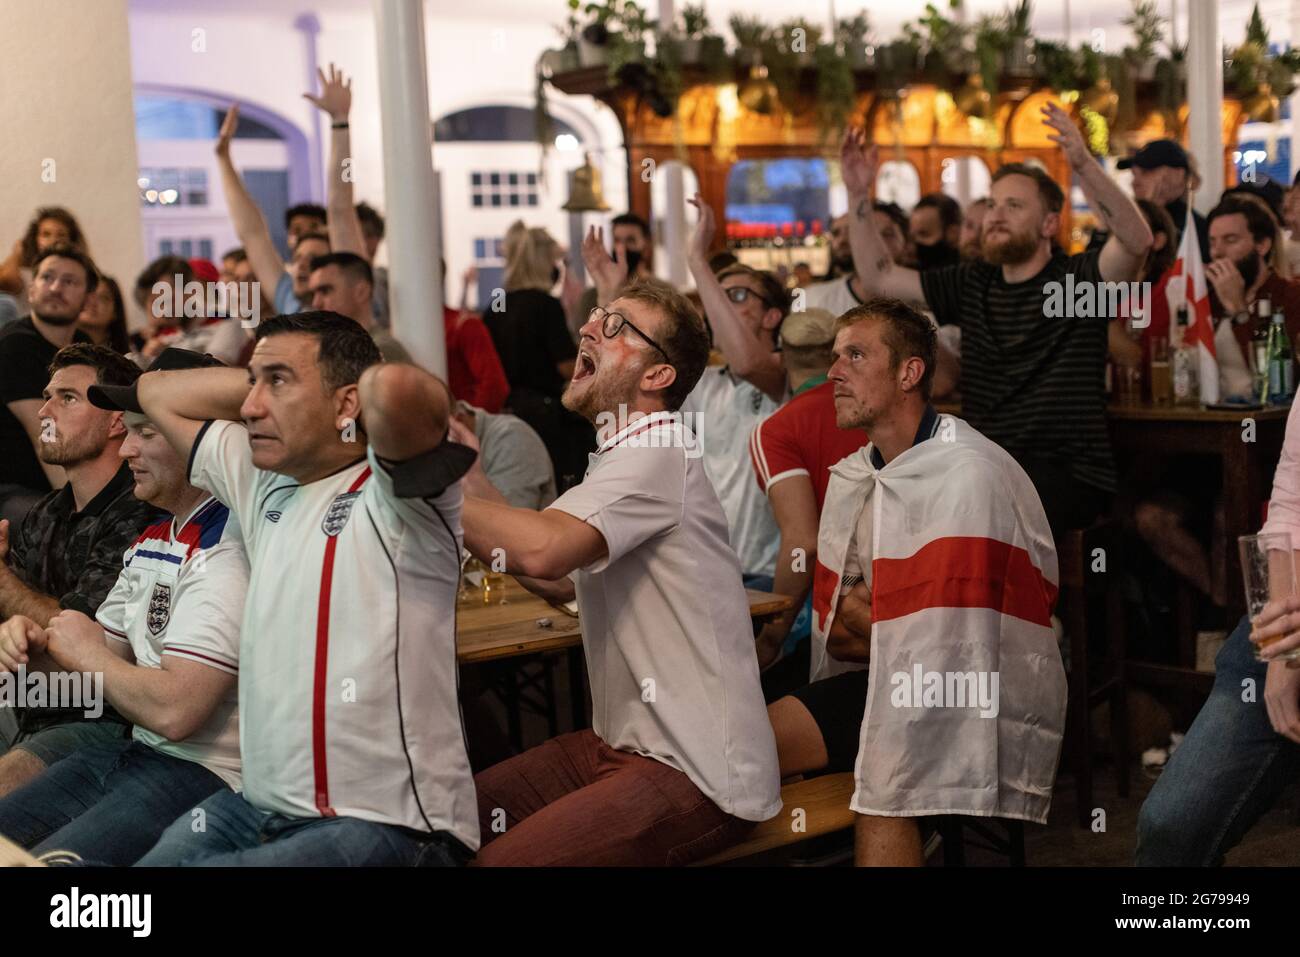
(825, 803)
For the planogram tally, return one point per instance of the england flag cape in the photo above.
(966, 699)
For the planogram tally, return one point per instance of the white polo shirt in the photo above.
(723, 410)
(181, 593)
(347, 678)
(665, 620)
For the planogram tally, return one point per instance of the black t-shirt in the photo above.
(76, 557)
(25, 357)
(531, 338)
(1032, 383)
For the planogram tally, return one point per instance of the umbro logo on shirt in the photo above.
(273, 515)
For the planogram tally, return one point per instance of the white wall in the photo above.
(255, 54)
(73, 110)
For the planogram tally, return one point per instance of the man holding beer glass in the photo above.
(1243, 749)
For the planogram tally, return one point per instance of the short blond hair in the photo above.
(530, 257)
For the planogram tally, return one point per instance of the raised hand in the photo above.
(705, 229)
(335, 93)
(607, 273)
(228, 127)
(859, 163)
(1228, 284)
(1067, 135)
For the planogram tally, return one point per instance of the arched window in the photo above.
(181, 212)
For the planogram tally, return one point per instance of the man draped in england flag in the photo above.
(936, 573)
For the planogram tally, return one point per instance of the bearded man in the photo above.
(1032, 381)
(66, 553)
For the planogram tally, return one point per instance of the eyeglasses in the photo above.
(739, 294)
(612, 323)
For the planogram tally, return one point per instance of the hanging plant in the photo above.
(991, 42)
(1018, 54)
(751, 37)
(896, 64)
(1148, 30)
(1058, 66)
(836, 93)
(851, 37)
(943, 41)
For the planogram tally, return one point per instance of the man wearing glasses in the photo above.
(680, 760)
(745, 308)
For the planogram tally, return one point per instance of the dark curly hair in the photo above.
(76, 238)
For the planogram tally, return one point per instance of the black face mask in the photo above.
(935, 255)
(633, 257)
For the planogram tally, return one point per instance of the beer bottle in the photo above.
(1281, 374)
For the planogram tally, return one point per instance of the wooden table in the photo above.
(497, 632)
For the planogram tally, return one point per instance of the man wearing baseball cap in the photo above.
(166, 640)
(1161, 172)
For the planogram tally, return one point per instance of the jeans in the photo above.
(233, 833)
(1226, 774)
(106, 802)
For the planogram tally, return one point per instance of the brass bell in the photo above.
(585, 193)
(972, 99)
(1102, 100)
(1261, 106)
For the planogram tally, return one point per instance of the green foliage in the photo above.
(1148, 28)
(1256, 32)
(750, 32)
(695, 21)
(836, 93)
(1058, 65)
(853, 30)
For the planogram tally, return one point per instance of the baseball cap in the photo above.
(811, 327)
(122, 398)
(1155, 154)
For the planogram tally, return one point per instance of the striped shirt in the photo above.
(1032, 383)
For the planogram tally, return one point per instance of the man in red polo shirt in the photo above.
(792, 451)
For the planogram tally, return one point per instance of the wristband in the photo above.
(339, 126)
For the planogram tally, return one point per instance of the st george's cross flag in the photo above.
(1189, 272)
(966, 696)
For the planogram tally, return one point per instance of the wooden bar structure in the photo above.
(713, 130)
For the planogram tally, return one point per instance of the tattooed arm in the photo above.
(876, 269)
(1130, 236)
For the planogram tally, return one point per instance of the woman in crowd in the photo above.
(104, 317)
(50, 225)
(529, 331)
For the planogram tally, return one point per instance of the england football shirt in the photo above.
(181, 593)
(347, 674)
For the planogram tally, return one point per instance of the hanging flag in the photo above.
(1190, 271)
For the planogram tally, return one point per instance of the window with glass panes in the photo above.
(502, 189)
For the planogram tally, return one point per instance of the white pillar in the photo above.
(1205, 98)
(414, 286)
(309, 27)
(69, 126)
(674, 224)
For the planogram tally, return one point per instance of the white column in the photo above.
(69, 125)
(1205, 98)
(414, 286)
(674, 224)
(309, 26)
